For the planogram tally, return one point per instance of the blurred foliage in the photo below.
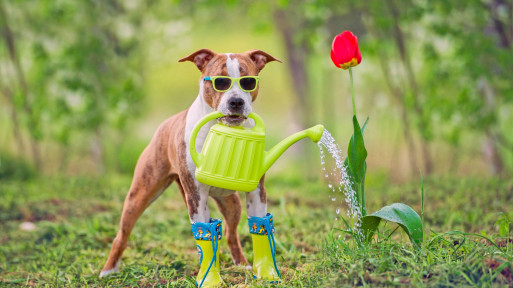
(127, 154)
(469, 81)
(79, 66)
(78, 70)
(14, 168)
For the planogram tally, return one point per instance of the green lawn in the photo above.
(76, 219)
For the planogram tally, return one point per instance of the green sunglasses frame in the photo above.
(233, 79)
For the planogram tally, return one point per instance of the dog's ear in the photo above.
(200, 58)
(260, 58)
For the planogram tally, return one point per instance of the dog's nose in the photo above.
(236, 103)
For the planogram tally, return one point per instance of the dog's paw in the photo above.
(107, 272)
(247, 267)
(104, 273)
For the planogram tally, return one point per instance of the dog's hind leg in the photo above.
(230, 207)
(151, 178)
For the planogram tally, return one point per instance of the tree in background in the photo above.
(392, 39)
(471, 84)
(69, 68)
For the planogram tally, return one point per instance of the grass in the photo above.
(76, 218)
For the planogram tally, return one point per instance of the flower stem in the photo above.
(352, 89)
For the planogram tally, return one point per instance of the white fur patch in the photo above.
(235, 92)
(110, 271)
(203, 214)
(197, 111)
(255, 207)
(233, 66)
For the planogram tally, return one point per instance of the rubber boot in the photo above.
(207, 237)
(264, 248)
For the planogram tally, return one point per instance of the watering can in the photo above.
(234, 157)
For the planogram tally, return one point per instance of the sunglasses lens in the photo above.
(222, 83)
(248, 83)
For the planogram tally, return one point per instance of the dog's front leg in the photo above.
(256, 201)
(197, 204)
(207, 232)
(261, 227)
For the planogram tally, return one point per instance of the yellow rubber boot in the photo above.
(264, 249)
(207, 236)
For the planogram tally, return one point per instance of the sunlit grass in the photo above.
(77, 218)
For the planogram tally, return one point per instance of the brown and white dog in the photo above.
(167, 159)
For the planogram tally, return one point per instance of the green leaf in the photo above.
(399, 213)
(346, 164)
(354, 184)
(356, 152)
(503, 223)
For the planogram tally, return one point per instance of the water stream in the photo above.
(338, 180)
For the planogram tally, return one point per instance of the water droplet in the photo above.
(338, 178)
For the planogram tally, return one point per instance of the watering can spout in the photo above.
(314, 133)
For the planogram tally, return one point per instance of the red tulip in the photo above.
(344, 51)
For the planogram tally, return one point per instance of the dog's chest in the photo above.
(196, 112)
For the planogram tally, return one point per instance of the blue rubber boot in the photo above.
(264, 248)
(207, 236)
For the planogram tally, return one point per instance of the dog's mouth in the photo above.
(233, 119)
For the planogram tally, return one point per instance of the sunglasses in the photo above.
(225, 83)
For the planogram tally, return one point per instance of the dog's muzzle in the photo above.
(233, 120)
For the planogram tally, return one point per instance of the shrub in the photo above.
(12, 167)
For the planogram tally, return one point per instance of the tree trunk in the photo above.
(491, 152)
(97, 152)
(492, 155)
(398, 95)
(20, 75)
(405, 59)
(297, 54)
(16, 130)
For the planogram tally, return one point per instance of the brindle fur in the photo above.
(164, 161)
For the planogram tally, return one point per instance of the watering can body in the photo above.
(234, 157)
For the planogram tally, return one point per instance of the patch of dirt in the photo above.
(105, 240)
(501, 242)
(54, 209)
(506, 275)
(305, 247)
(100, 208)
(235, 281)
(504, 242)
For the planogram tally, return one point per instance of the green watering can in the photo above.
(234, 157)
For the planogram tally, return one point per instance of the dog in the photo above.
(166, 159)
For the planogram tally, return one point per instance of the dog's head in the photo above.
(231, 96)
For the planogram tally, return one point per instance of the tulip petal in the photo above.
(342, 50)
(345, 52)
(358, 56)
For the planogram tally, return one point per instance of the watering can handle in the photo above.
(196, 157)
(259, 123)
(192, 142)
